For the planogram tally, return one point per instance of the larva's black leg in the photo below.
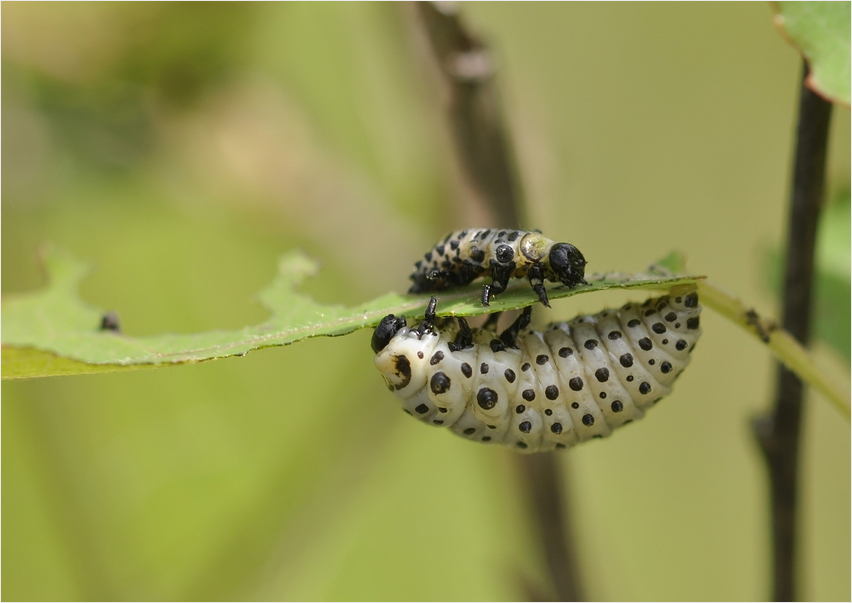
(537, 282)
(490, 323)
(428, 324)
(486, 295)
(430, 310)
(542, 294)
(510, 335)
(464, 338)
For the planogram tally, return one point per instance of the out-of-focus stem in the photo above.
(779, 432)
(474, 113)
(483, 148)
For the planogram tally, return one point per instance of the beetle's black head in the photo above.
(568, 264)
(385, 331)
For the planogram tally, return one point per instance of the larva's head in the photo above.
(402, 354)
(567, 264)
(385, 331)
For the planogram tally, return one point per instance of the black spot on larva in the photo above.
(462, 234)
(403, 369)
(528, 395)
(644, 387)
(440, 409)
(575, 405)
(692, 323)
(541, 359)
(551, 392)
(466, 370)
(565, 352)
(556, 428)
(691, 300)
(602, 375)
(520, 408)
(588, 420)
(591, 344)
(678, 299)
(650, 312)
(602, 395)
(422, 409)
(436, 358)
(428, 256)
(548, 412)
(666, 367)
(420, 355)
(629, 378)
(633, 323)
(525, 426)
(440, 249)
(613, 335)
(469, 431)
(437, 422)
(576, 384)
(497, 346)
(454, 244)
(658, 328)
(525, 366)
(652, 362)
(665, 342)
(514, 236)
(510, 375)
(486, 398)
(491, 426)
(439, 383)
(645, 344)
(671, 317)
(483, 368)
(521, 445)
(626, 360)
(476, 254)
(560, 446)
(597, 436)
(681, 345)
(504, 254)
(616, 406)
(486, 439)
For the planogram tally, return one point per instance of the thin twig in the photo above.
(474, 110)
(779, 432)
(484, 152)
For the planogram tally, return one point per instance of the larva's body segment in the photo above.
(540, 390)
(465, 255)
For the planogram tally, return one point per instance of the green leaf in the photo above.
(53, 332)
(820, 30)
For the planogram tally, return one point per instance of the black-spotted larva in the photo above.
(465, 255)
(540, 390)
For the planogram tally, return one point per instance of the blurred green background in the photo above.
(184, 147)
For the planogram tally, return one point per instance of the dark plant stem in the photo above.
(474, 112)
(483, 147)
(779, 432)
